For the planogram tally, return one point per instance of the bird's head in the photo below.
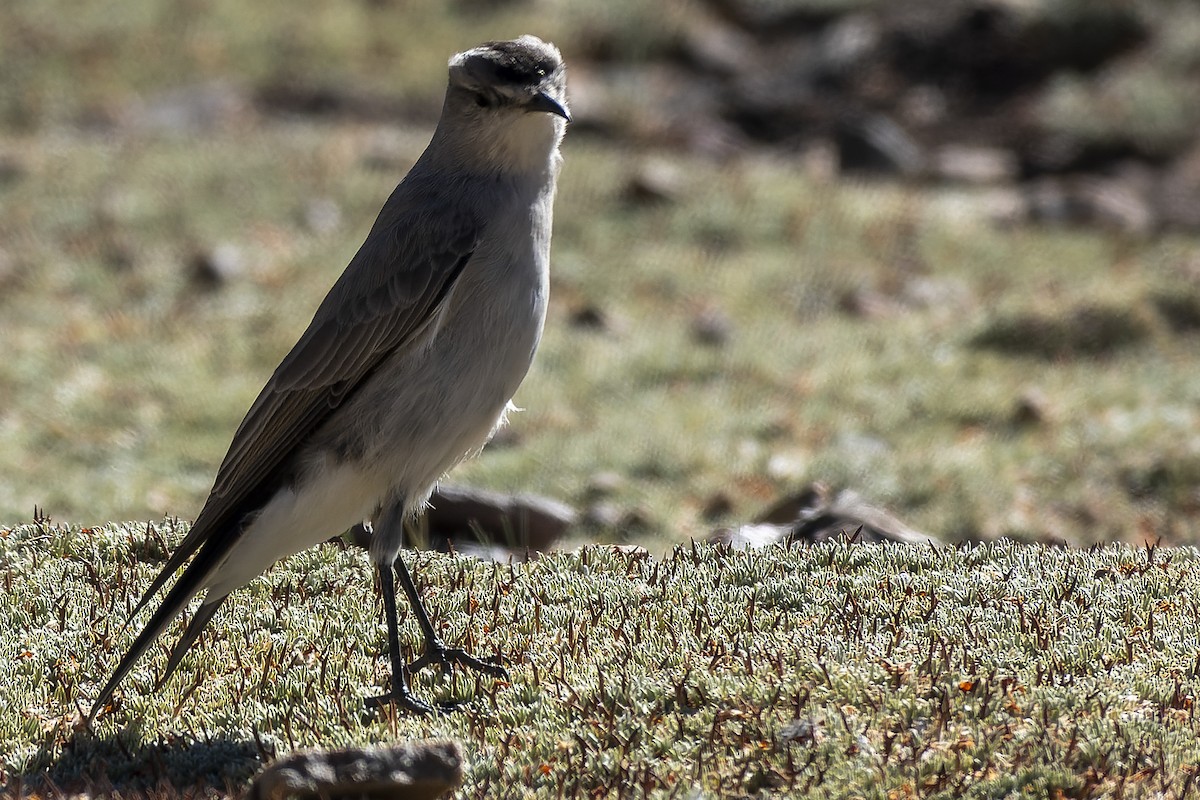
(510, 97)
(525, 75)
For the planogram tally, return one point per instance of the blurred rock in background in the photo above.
(1091, 106)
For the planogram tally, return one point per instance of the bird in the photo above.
(408, 366)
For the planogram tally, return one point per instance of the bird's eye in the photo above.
(482, 100)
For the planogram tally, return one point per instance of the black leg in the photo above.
(414, 600)
(435, 652)
(401, 693)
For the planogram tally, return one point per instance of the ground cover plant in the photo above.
(830, 671)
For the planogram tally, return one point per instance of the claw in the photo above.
(448, 657)
(404, 699)
(445, 657)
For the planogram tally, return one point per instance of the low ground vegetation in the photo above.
(829, 671)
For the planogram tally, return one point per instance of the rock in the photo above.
(717, 505)
(604, 484)
(791, 508)
(974, 164)
(590, 317)
(1179, 308)
(322, 215)
(1032, 408)
(603, 515)
(612, 517)
(486, 551)
(849, 43)
(712, 327)
(876, 143)
(1178, 194)
(635, 520)
(1049, 201)
(471, 516)
(785, 105)
(1086, 330)
(486, 524)
(421, 770)
(868, 303)
(1119, 203)
(817, 514)
(787, 465)
(752, 537)
(654, 181)
(213, 267)
(848, 514)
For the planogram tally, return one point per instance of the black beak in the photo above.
(544, 102)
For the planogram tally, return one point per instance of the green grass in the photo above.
(125, 379)
(875, 671)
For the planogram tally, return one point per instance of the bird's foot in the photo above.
(448, 657)
(402, 696)
(405, 698)
(445, 657)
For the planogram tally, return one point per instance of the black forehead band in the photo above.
(512, 63)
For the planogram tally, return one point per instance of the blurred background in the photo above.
(944, 255)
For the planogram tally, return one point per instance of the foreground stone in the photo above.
(409, 771)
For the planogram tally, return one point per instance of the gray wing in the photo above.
(392, 290)
(390, 293)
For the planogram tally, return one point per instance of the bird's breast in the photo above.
(425, 409)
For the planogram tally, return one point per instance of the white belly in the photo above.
(333, 498)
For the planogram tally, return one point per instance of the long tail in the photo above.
(199, 622)
(183, 591)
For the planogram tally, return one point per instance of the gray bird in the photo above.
(407, 367)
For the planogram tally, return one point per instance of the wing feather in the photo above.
(388, 295)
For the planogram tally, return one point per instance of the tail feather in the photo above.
(172, 605)
(199, 622)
